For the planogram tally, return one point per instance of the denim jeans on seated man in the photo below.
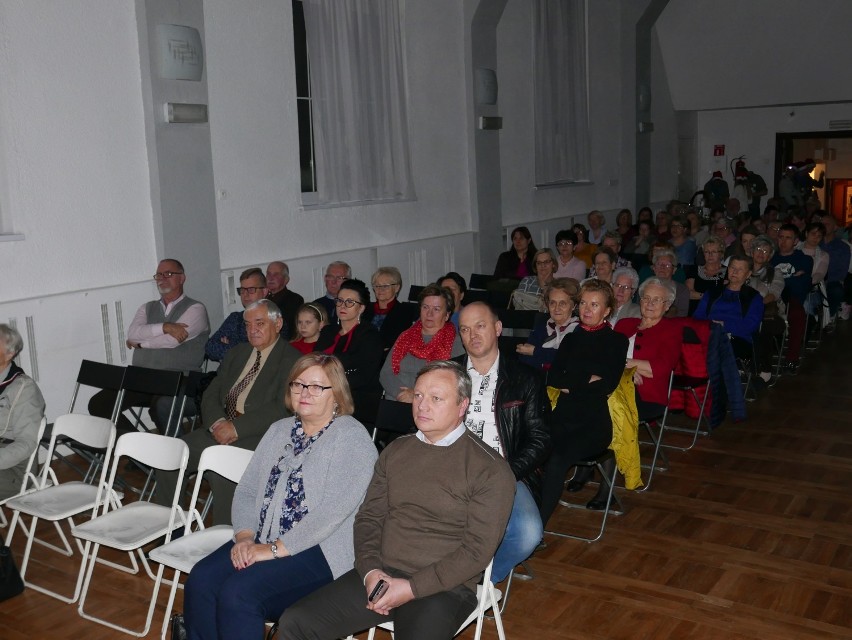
(523, 533)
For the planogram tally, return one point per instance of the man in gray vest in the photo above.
(169, 333)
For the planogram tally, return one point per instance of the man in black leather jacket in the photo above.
(507, 410)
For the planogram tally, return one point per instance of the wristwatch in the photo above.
(274, 548)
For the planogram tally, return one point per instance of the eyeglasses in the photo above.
(564, 243)
(382, 287)
(347, 302)
(338, 278)
(762, 250)
(653, 302)
(624, 287)
(248, 290)
(539, 263)
(665, 265)
(163, 275)
(314, 390)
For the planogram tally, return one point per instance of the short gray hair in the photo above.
(763, 241)
(340, 263)
(630, 272)
(463, 384)
(272, 310)
(669, 287)
(11, 339)
(665, 253)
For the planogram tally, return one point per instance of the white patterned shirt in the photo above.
(481, 416)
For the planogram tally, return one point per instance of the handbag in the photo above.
(177, 627)
(526, 301)
(11, 584)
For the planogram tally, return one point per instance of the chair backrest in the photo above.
(92, 431)
(153, 450)
(29, 475)
(100, 376)
(156, 382)
(395, 416)
(517, 318)
(480, 280)
(414, 291)
(229, 462)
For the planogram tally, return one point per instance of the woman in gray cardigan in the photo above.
(292, 512)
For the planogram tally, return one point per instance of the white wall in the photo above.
(73, 148)
(255, 143)
(751, 132)
(731, 53)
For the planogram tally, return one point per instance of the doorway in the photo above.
(831, 152)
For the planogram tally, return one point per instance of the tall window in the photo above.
(355, 101)
(307, 166)
(561, 92)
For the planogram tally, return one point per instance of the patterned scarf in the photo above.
(411, 341)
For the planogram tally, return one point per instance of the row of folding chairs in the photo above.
(125, 527)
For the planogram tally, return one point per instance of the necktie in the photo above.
(237, 389)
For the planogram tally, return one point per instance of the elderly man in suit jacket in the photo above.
(245, 398)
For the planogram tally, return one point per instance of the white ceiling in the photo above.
(734, 53)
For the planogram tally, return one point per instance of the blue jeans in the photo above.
(221, 602)
(523, 533)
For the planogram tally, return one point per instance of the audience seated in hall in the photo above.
(335, 273)
(233, 330)
(445, 476)
(507, 410)
(530, 292)
(560, 298)
(168, 333)
(567, 264)
(796, 268)
(245, 397)
(432, 337)
(838, 263)
(358, 345)
(277, 279)
(388, 314)
(517, 262)
(310, 320)
(769, 283)
(458, 287)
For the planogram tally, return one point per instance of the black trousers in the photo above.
(340, 608)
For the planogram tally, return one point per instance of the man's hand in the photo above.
(176, 330)
(132, 345)
(405, 395)
(398, 593)
(224, 432)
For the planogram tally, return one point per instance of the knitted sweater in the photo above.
(336, 471)
(434, 514)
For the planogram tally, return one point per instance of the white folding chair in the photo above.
(56, 502)
(129, 527)
(182, 554)
(487, 597)
(30, 481)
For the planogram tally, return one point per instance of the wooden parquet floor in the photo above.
(746, 537)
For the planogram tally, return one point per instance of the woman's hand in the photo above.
(525, 349)
(594, 378)
(246, 552)
(637, 378)
(405, 395)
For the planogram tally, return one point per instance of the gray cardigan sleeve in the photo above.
(21, 411)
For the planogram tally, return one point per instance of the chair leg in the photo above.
(610, 481)
(659, 452)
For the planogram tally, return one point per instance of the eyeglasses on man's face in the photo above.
(314, 390)
(164, 275)
(248, 290)
(564, 243)
(346, 302)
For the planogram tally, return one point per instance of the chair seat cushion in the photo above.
(129, 527)
(183, 553)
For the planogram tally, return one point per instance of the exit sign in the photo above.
(718, 150)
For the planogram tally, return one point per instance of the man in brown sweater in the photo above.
(434, 513)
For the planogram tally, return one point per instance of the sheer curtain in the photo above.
(560, 93)
(358, 91)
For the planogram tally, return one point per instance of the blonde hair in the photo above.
(336, 375)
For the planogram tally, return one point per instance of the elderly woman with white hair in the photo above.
(655, 345)
(21, 411)
(665, 265)
(625, 282)
(710, 275)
